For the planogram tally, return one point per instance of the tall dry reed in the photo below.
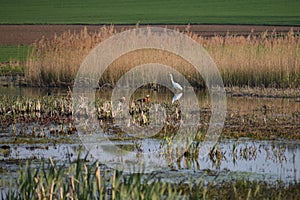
(55, 62)
(266, 60)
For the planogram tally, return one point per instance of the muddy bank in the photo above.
(27, 34)
(15, 80)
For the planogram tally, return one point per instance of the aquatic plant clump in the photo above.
(267, 60)
(82, 180)
(51, 115)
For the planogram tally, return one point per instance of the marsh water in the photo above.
(272, 160)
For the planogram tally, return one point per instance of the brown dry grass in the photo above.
(267, 60)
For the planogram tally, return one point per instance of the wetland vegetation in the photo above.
(266, 60)
(257, 155)
(245, 116)
(257, 131)
(80, 180)
(261, 128)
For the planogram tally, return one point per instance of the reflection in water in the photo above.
(269, 160)
(32, 91)
(176, 97)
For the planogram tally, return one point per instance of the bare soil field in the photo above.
(27, 34)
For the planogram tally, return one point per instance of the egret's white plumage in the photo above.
(176, 86)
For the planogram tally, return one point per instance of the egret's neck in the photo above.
(172, 78)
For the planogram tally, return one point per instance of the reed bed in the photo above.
(267, 60)
(55, 62)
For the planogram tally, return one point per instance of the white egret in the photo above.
(176, 86)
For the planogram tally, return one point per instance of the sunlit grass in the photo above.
(12, 59)
(14, 53)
